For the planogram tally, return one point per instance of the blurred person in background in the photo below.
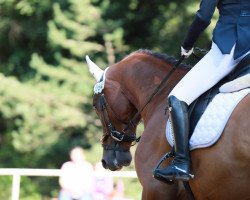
(103, 184)
(77, 177)
(118, 191)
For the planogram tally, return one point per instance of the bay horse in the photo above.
(221, 171)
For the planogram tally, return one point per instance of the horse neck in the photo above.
(139, 75)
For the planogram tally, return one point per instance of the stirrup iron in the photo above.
(170, 154)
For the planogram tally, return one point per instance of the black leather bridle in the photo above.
(109, 129)
(124, 135)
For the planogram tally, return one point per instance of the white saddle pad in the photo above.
(212, 123)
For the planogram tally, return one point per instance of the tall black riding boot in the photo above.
(179, 169)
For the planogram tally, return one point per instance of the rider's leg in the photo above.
(205, 74)
(180, 167)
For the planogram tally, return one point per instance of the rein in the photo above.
(122, 136)
(157, 89)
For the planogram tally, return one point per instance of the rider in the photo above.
(231, 42)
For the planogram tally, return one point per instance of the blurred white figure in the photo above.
(77, 177)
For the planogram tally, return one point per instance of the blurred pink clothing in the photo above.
(103, 184)
(103, 187)
(118, 191)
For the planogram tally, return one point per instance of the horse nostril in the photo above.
(104, 164)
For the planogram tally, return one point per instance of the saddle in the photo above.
(197, 108)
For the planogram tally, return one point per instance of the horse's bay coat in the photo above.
(221, 171)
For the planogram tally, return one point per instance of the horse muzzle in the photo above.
(114, 160)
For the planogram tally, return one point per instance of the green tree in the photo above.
(46, 108)
(158, 24)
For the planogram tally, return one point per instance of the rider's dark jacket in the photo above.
(233, 25)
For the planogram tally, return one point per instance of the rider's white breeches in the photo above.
(205, 74)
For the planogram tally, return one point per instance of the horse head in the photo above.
(118, 117)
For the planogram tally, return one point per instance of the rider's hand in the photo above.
(186, 53)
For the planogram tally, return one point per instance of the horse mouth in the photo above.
(113, 167)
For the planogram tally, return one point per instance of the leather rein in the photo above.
(124, 136)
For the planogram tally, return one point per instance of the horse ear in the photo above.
(96, 71)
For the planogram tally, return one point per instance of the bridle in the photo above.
(124, 136)
(110, 130)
